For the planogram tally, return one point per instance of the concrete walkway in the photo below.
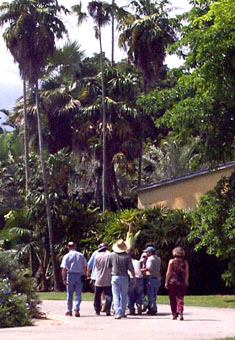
(200, 323)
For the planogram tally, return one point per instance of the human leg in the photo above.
(131, 297)
(173, 300)
(145, 297)
(124, 291)
(180, 292)
(78, 291)
(116, 291)
(97, 299)
(153, 285)
(138, 291)
(70, 290)
(108, 299)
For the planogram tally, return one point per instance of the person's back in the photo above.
(103, 280)
(103, 274)
(178, 273)
(74, 262)
(121, 262)
(73, 266)
(153, 265)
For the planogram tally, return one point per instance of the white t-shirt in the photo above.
(137, 266)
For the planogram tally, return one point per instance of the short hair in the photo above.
(178, 252)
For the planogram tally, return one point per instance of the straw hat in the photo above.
(178, 252)
(120, 246)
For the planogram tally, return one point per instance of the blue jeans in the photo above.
(119, 290)
(135, 294)
(74, 283)
(152, 285)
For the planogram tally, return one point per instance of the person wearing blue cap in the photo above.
(153, 278)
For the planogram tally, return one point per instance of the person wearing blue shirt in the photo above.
(73, 266)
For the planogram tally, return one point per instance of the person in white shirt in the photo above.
(135, 293)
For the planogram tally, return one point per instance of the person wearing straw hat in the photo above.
(120, 262)
(177, 281)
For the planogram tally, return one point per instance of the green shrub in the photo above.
(14, 309)
(18, 300)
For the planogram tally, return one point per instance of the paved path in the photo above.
(200, 323)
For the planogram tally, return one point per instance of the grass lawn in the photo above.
(225, 339)
(221, 301)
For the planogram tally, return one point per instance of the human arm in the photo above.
(168, 274)
(186, 273)
(133, 278)
(64, 276)
(90, 265)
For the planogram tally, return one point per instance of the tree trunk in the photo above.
(104, 126)
(26, 144)
(112, 53)
(45, 186)
(140, 156)
(26, 159)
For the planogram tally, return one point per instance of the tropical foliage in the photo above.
(213, 225)
(97, 129)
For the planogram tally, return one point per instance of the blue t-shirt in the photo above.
(74, 262)
(91, 264)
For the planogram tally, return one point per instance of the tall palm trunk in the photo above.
(112, 53)
(140, 156)
(26, 144)
(45, 186)
(104, 125)
(26, 158)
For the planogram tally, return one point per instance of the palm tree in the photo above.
(9, 11)
(145, 36)
(121, 90)
(100, 12)
(30, 37)
(170, 159)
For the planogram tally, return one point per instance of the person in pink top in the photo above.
(177, 281)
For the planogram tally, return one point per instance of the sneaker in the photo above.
(181, 316)
(108, 313)
(76, 313)
(151, 312)
(68, 314)
(124, 316)
(139, 309)
(97, 313)
(117, 317)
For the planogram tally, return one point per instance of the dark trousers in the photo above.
(176, 296)
(108, 298)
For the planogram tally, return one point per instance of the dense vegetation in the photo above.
(93, 130)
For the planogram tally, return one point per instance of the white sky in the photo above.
(10, 82)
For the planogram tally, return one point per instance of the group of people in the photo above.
(121, 281)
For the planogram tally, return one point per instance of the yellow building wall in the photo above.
(183, 194)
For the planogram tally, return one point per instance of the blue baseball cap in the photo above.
(151, 249)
